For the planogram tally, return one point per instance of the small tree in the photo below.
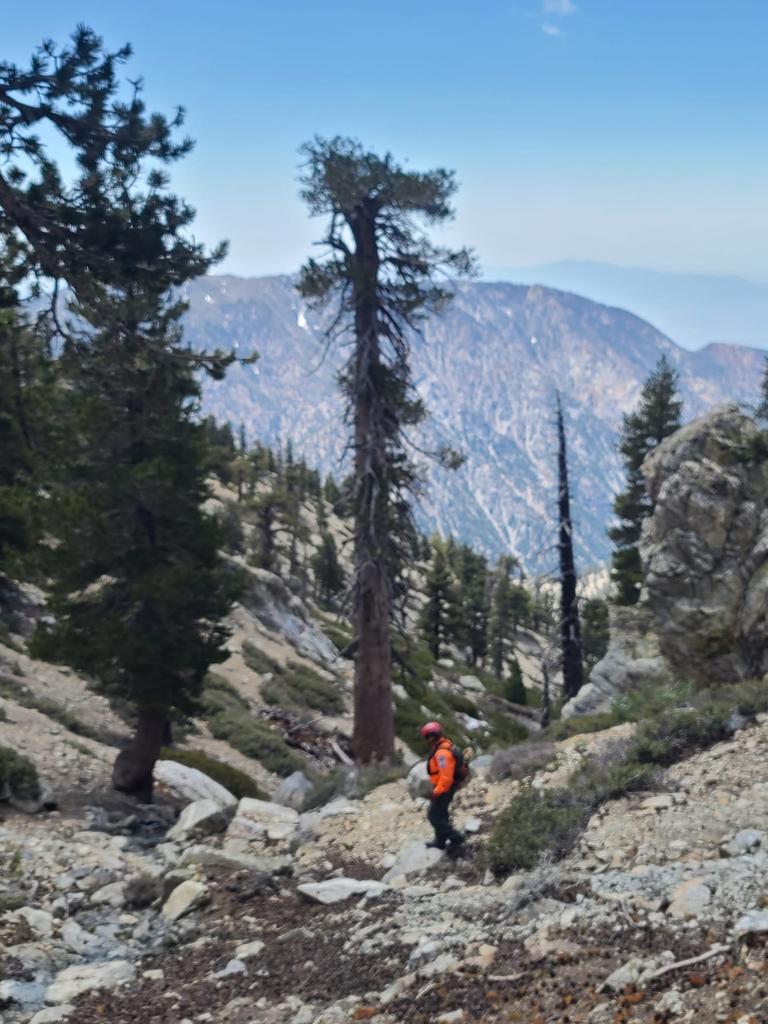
(657, 416)
(439, 615)
(500, 620)
(381, 272)
(515, 690)
(267, 508)
(570, 627)
(471, 568)
(328, 573)
(595, 632)
(762, 409)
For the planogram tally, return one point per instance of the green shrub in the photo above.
(258, 661)
(142, 891)
(505, 729)
(300, 687)
(665, 740)
(255, 739)
(339, 637)
(460, 702)
(534, 823)
(18, 774)
(579, 725)
(230, 718)
(238, 783)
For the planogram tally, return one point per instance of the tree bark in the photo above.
(374, 731)
(569, 609)
(132, 772)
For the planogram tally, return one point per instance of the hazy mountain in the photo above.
(691, 308)
(488, 369)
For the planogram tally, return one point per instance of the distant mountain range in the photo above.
(488, 369)
(694, 309)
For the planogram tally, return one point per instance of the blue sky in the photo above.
(631, 131)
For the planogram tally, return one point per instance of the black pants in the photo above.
(440, 819)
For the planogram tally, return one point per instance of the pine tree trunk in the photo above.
(132, 772)
(569, 609)
(373, 734)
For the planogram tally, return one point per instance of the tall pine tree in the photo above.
(138, 590)
(657, 416)
(381, 273)
(438, 620)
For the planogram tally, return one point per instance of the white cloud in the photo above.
(551, 30)
(560, 8)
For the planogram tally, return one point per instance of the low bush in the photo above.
(580, 725)
(505, 730)
(298, 686)
(19, 775)
(237, 782)
(460, 702)
(258, 660)
(521, 760)
(230, 718)
(535, 823)
(339, 637)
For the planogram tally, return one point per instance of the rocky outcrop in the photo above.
(703, 615)
(705, 549)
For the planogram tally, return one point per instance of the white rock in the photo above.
(52, 1014)
(293, 791)
(662, 802)
(233, 967)
(77, 939)
(689, 899)
(471, 684)
(192, 784)
(184, 898)
(112, 895)
(335, 890)
(396, 989)
(200, 818)
(73, 981)
(752, 923)
(40, 921)
(745, 841)
(26, 993)
(445, 963)
(249, 949)
(627, 974)
(451, 1017)
(472, 825)
(244, 828)
(210, 857)
(267, 814)
(671, 1002)
(414, 858)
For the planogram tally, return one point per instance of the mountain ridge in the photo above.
(487, 368)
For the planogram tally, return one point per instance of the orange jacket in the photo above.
(442, 767)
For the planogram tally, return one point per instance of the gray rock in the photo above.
(703, 613)
(336, 890)
(745, 841)
(419, 785)
(232, 967)
(293, 791)
(52, 1014)
(184, 899)
(690, 899)
(471, 684)
(201, 818)
(207, 856)
(266, 814)
(248, 950)
(628, 974)
(413, 859)
(192, 784)
(753, 923)
(73, 981)
(23, 993)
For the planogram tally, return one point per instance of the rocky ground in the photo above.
(249, 912)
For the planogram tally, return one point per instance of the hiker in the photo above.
(447, 770)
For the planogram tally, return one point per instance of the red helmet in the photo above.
(431, 729)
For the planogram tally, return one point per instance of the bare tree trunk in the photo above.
(374, 732)
(132, 772)
(569, 609)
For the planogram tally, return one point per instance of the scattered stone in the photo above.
(745, 841)
(207, 856)
(201, 818)
(293, 791)
(73, 981)
(247, 950)
(266, 814)
(451, 1017)
(472, 684)
(414, 858)
(52, 1014)
(689, 899)
(662, 802)
(627, 974)
(233, 967)
(185, 898)
(753, 923)
(335, 890)
(419, 786)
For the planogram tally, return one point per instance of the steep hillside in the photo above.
(488, 369)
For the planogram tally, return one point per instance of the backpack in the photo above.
(460, 766)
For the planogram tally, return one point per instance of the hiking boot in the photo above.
(456, 846)
(433, 844)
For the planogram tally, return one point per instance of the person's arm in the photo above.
(446, 764)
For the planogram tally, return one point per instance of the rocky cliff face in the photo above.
(488, 369)
(703, 616)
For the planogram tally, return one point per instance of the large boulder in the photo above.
(703, 612)
(293, 791)
(192, 784)
(705, 549)
(419, 786)
(201, 818)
